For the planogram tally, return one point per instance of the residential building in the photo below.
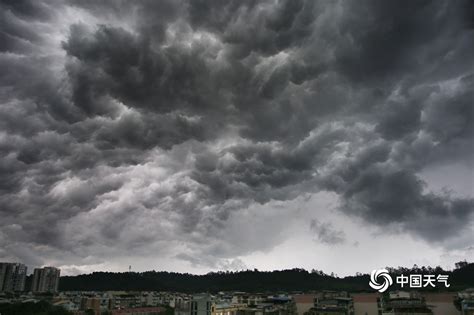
(467, 307)
(249, 299)
(403, 303)
(67, 305)
(303, 302)
(201, 304)
(441, 303)
(332, 303)
(139, 311)
(150, 299)
(227, 309)
(91, 304)
(12, 277)
(45, 279)
(333, 306)
(124, 300)
(367, 304)
(466, 302)
(182, 307)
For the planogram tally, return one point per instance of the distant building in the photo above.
(249, 299)
(467, 307)
(332, 303)
(336, 306)
(466, 302)
(182, 306)
(441, 303)
(45, 280)
(201, 304)
(402, 303)
(91, 304)
(124, 300)
(12, 277)
(269, 305)
(367, 304)
(139, 311)
(67, 304)
(226, 309)
(149, 299)
(304, 302)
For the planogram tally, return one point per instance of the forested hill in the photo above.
(249, 281)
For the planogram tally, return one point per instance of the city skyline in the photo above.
(197, 136)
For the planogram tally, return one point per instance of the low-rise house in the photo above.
(367, 303)
(441, 303)
(405, 303)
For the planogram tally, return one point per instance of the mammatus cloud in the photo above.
(147, 127)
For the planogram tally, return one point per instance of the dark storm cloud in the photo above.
(397, 197)
(250, 26)
(390, 40)
(135, 124)
(325, 233)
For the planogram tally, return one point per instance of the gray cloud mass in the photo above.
(144, 126)
(325, 232)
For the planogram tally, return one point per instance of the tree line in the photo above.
(249, 280)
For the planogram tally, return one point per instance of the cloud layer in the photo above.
(156, 127)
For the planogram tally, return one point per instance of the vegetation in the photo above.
(251, 280)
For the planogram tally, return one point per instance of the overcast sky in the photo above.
(223, 135)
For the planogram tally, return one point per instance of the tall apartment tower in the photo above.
(12, 277)
(45, 279)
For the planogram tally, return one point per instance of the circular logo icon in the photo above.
(380, 280)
